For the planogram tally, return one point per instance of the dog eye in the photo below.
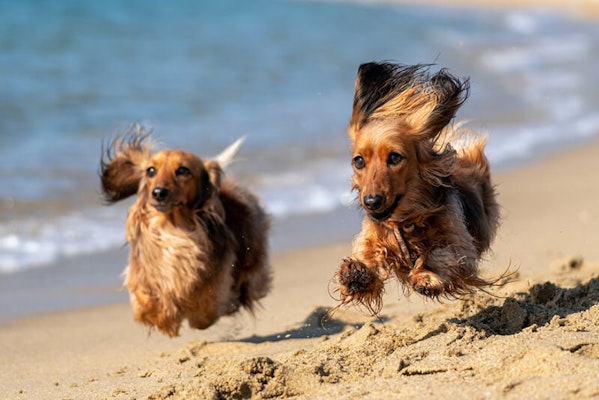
(151, 172)
(183, 171)
(394, 159)
(359, 162)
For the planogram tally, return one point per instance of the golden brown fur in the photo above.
(198, 240)
(425, 187)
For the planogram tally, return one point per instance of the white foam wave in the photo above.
(34, 243)
(320, 188)
(522, 23)
(38, 242)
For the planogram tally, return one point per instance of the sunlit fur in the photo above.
(198, 241)
(424, 184)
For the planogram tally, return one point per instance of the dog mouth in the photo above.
(164, 206)
(387, 212)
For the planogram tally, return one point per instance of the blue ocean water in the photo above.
(203, 73)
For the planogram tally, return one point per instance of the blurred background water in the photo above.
(74, 73)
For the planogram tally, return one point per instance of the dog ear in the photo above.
(208, 182)
(215, 173)
(378, 90)
(449, 94)
(407, 94)
(120, 165)
(373, 86)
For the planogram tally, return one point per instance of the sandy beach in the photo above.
(538, 337)
(535, 338)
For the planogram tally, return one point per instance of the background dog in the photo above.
(198, 240)
(424, 185)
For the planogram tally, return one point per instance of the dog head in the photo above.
(399, 113)
(174, 178)
(166, 180)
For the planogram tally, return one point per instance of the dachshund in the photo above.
(424, 185)
(198, 240)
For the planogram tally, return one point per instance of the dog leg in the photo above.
(361, 277)
(152, 312)
(442, 272)
(426, 282)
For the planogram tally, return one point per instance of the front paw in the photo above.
(354, 275)
(359, 284)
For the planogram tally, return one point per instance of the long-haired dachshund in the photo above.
(424, 184)
(198, 241)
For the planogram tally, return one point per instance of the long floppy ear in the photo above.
(120, 164)
(208, 183)
(376, 85)
(210, 179)
(450, 93)
(214, 173)
(408, 94)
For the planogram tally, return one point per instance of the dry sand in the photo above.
(536, 338)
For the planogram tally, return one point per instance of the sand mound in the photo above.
(543, 340)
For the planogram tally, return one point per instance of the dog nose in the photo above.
(159, 193)
(373, 201)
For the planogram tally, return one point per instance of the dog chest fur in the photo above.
(170, 259)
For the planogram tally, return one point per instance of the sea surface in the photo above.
(200, 74)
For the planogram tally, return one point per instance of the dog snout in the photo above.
(373, 201)
(160, 193)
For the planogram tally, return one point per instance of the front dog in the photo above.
(425, 187)
(198, 241)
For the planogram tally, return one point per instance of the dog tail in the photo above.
(226, 156)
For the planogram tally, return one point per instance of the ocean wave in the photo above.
(38, 242)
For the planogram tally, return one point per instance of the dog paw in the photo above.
(359, 284)
(354, 275)
(427, 283)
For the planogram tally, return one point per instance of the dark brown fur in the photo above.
(198, 240)
(424, 184)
